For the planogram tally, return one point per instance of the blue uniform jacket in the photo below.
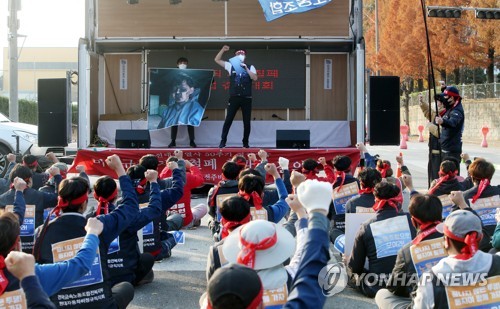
(306, 292)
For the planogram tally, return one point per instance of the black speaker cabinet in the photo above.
(132, 139)
(53, 122)
(289, 139)
(384, 110)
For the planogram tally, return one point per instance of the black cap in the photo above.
(238, 281)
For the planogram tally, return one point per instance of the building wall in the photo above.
(158, 18)
(39, 62)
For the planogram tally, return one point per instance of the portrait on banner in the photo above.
(177, 97)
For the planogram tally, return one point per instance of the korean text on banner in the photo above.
(274, 9)
(65, 250)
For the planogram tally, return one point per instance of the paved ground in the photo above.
(180, 280)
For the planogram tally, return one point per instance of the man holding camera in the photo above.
(435, 159)
(452, 124)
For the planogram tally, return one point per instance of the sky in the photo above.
(46, 23)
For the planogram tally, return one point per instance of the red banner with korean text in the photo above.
(209, 160)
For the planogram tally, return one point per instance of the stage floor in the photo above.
(209, 160)
(328, 134)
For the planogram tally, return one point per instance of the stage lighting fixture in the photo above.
(488, 13)
(444, 12)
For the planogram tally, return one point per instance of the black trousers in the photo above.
(433, 167)
(146, 262)
(123, 293)
(173, 132)
(234, 104)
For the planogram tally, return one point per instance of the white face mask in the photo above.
(242, 57)
(182, 66)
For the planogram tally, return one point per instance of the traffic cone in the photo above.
(421, 136)
(399, 173)
(404, 131)
(485, 131)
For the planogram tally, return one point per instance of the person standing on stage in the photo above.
(452, 123)
(182, 63)
(240, 92)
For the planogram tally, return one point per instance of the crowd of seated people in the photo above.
(57, 251)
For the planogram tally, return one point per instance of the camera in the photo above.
(439, 97)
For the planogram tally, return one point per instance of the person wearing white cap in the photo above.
(450, 282)
(262, 245)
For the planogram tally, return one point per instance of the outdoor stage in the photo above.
(209, 160)
(324, 134)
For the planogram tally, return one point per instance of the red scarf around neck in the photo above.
(480, 188)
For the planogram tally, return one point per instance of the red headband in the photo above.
(426, 229)
(341, 175)
(103, 203)
(482, 185)
(63, 173)
(62, 203)
(247, 253)
(256, 199)
(442, 178)
(32, 165)
(240, 52)
(4, 281)
(241, 163)
(383, 169)
(231, 225)
(141, 187)
(393, 202)
(471, 241)
(365, 190)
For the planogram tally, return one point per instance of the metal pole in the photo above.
(376, 36)
(13, 67)
(360, 93)
(360, 74)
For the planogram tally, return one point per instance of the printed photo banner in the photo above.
(352, 224)
(13, 299)
(274, 9)
(486, 208)
(275, 299)
(258, 214)
(148, 229)
(114, 246)
(427, 254)
(28, 226)
(65, 250)
(361, 209)
(209, 161)
(447, 204)
(390, 235)
(177, 97)
(179, 236)
(476, 296)
(342, 196)
(220, 199)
